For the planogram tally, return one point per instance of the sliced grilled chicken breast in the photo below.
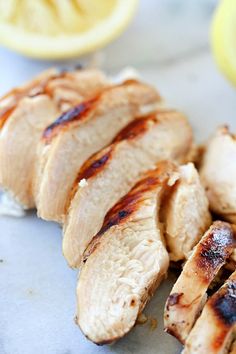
(23, 127)
(189, 292)
(214, 330)
(78, 134)
(186, 213)
(125, 262)
(111, 173)
(218, 174)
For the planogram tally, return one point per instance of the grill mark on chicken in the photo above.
(138, 126)
(134, 129)
(96, 163)
(131, 202)
(76, 113)
(214, 250)
(39, 88)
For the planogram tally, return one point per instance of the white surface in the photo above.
(168, 43)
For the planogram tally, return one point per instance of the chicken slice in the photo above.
(23, 128)
(185, 214)
(214, 330)
(125, 262)
(189, 292)
(218, 174)
(111, 173)
(78, 134)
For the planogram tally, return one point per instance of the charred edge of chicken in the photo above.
(214, 249)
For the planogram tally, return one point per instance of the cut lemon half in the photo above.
(58, 29)
(223, 36)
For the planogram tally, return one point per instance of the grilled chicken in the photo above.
(111, 173)
(218, 174)
(78, 134)
(34, 108)
(189, 292)
(185, 214)
(215, 328)
(125, 262)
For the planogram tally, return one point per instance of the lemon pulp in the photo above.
(62, 28)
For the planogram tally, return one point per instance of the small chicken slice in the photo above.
(111, 173)
(24, 126)
(186, 214)
(214, 330)
(189, 292)
(125, 262)
(218, 174)
(78, 134)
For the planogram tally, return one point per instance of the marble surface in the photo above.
(168, 43)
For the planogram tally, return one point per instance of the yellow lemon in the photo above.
(223, 37)
(57, 29)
